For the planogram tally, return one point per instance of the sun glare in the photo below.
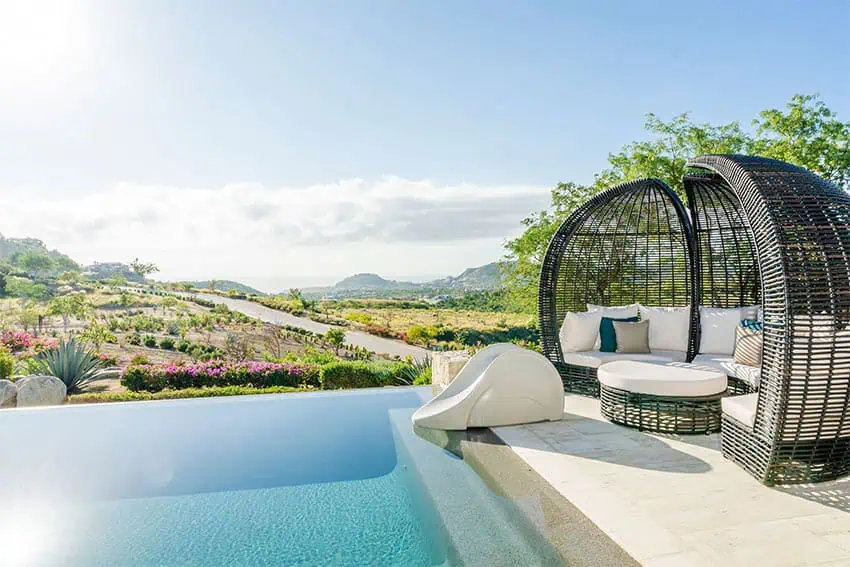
(42, 43)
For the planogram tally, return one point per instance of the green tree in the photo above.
(70, 277)
(213, 285)
(807, 133)
(96, 334)
(142, 269)
(336, 338)
(422, 335)
(26, 289)
(36, 264)
(295, 294)
(73, 305)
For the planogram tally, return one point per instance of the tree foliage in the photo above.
(806, 133)
(143, 269)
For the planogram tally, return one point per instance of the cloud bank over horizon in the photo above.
(251, 232)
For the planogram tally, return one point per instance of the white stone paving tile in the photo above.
(675, 501)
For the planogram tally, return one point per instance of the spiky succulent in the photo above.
(74, 364)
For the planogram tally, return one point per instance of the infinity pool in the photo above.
(292, 479)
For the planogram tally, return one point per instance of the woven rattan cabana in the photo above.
(629, 244)
(770, 232)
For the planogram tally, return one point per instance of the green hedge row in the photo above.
(102, 397)
(362, 374)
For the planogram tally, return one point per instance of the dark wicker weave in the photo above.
(629, 244)
(661, 414)
(798, 225)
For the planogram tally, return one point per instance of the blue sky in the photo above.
(328, 122)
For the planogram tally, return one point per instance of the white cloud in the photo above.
(248, 231)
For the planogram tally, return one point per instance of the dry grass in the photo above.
(400, 320)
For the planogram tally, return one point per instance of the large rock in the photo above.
(40, 391)
(444, 368)
(8, 394)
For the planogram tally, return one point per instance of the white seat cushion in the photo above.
(595, 358)
(726, 363)
(741, 408)
(668, 326)
(672, 379)
(580, 331)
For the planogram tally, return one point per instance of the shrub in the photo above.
(184, 346)
(16, 341)
(72, 363)
(381, 331)
(150, 341)
(361, 374)
(140, 359)
(423, 378)
(7, 364)
(173, 328)
(167, 343)
(363, 318)
(153, 378)
(135, 339)
(422, 335)
(108, 359)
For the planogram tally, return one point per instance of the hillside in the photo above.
(226, 285)
(481, 278)
(33, 257)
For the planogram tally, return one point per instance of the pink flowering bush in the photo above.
(41, 344)
(153, 378)
(16, 341)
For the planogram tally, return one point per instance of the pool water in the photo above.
(298, 479)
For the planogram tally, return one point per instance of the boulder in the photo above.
(40, 391)
(444, 368)
(8, 394)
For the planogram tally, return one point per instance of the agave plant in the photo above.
(416, 369)
(74, 364)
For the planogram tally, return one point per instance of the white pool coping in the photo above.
(675, 501)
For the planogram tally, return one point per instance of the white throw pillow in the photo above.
(668, 327)
(579, 331)
(717, 329)
(614, 312)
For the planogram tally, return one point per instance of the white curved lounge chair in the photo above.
(502, 384)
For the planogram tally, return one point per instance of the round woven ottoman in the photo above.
(675, 397)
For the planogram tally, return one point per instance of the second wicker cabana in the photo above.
(774, 233)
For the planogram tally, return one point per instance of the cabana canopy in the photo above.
(629, 244)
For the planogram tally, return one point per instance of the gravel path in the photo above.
(371, 342)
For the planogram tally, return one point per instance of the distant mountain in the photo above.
(226, 285)
(370, 281)
(487, 277)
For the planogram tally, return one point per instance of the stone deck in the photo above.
(675, 501)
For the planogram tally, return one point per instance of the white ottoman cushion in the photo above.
(673, 379)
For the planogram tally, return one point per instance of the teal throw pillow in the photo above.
(607, 336)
